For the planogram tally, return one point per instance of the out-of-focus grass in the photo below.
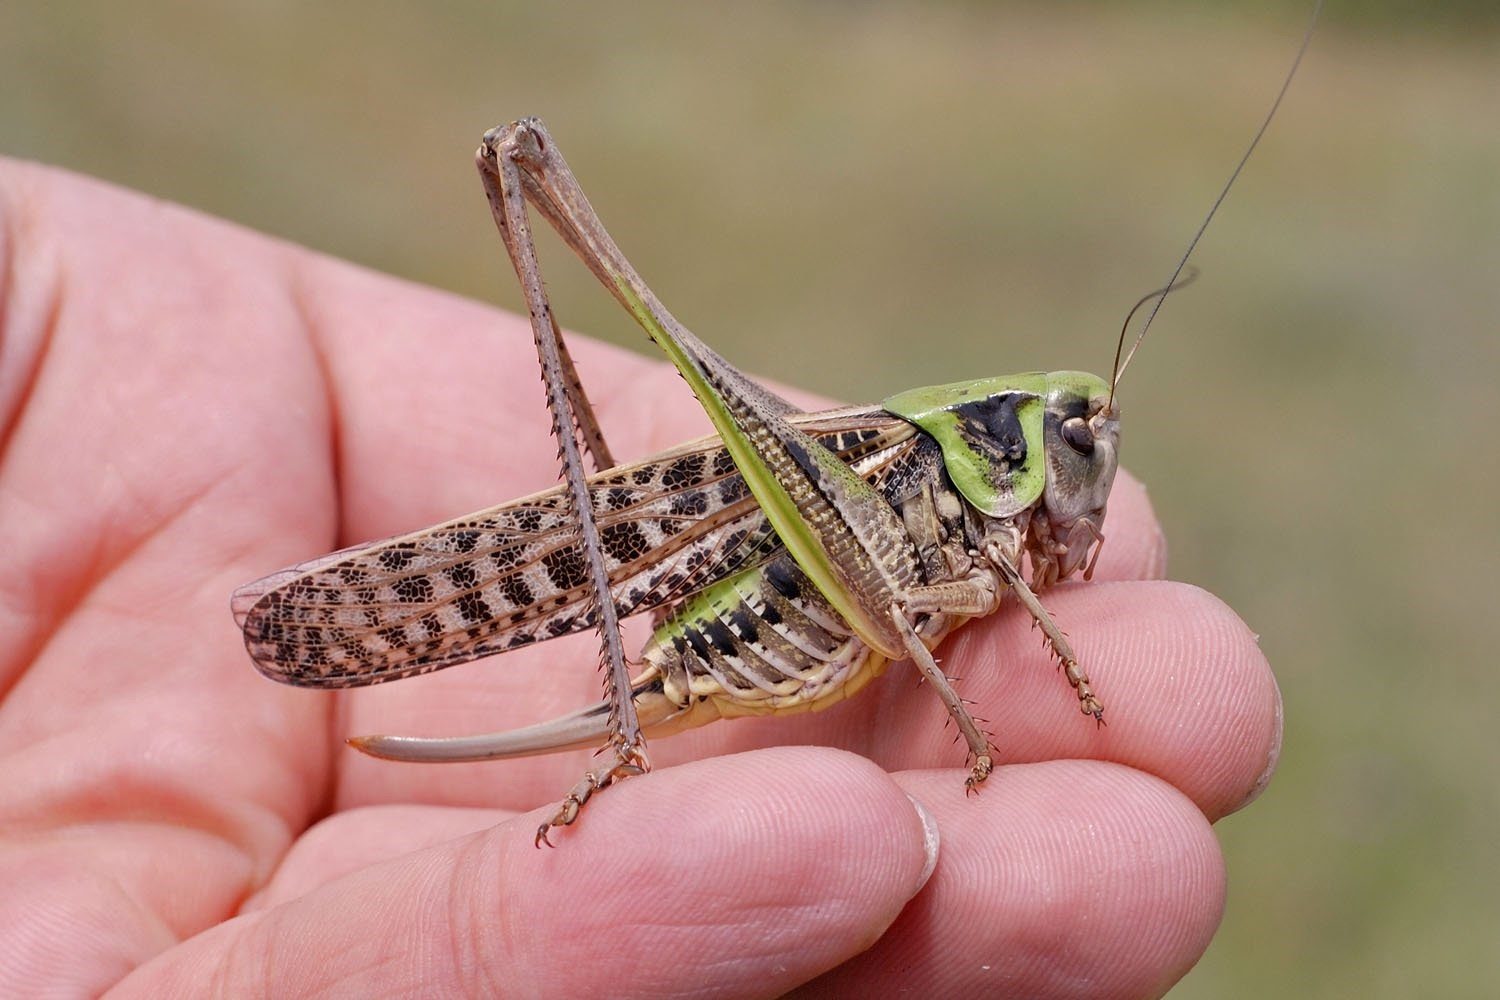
(860, 198)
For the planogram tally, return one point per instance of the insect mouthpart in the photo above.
(1057, 551)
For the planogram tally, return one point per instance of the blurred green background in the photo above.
(859, 198)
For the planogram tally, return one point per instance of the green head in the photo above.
(1082, 442)
(1046, 440)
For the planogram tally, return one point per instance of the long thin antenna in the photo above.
(1193, 243)
(1189, 276)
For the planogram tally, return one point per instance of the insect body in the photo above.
(973, 471)
(786, 561)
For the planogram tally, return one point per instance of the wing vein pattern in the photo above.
(511, 575)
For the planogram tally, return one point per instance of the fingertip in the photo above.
(1135, 545)
(1205, 707)
(1187, 692)
(1061, 878)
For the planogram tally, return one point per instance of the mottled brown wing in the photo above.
(671, 525)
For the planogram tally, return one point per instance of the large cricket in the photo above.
(785, 561)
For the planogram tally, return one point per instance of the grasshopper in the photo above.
(786, 560)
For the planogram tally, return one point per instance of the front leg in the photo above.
(1072, 669)
(980, 593)
(977, 595)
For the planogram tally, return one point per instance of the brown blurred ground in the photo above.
(862, 198)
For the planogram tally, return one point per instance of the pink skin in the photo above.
(187, 406)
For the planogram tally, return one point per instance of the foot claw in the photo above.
(982, 769)
(629, 760)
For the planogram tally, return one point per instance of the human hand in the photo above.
(187, 406)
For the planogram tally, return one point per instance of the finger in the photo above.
(353, 839)
(1135, 548)
(1187, 695)
(753, 873)
(1062, 879)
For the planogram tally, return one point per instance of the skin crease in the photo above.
(186, 406)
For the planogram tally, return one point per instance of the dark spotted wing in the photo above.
(671, 525)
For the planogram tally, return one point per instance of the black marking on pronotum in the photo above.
(994, 422)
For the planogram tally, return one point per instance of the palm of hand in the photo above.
(187, 406)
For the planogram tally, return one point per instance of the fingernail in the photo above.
(1273, 756)
(930, 843)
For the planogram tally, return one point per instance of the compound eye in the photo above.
(1076, 432)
